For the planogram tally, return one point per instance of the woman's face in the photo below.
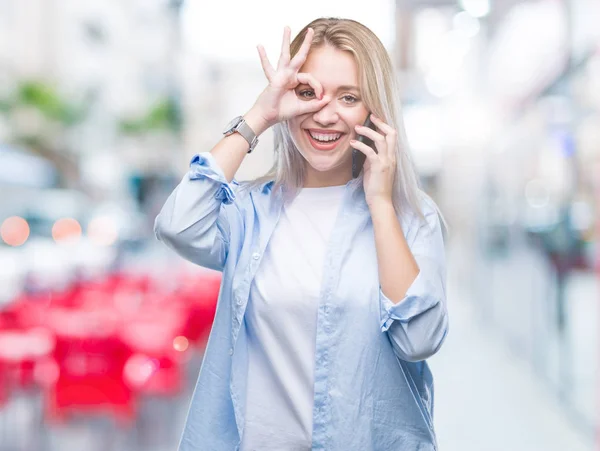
(323, 137)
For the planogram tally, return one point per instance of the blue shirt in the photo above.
(373, 390)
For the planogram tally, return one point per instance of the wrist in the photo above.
(381, 206)
(256, 121)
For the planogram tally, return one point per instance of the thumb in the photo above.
(313, 105)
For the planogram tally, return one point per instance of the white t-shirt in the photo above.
(281, 319)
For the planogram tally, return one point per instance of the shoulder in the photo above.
(252, 192)
(253, 187)
(433, 218)
(428, 205)
(426, 214)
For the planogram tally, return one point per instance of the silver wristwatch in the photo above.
(239, 125)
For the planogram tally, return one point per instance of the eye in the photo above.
(306, 93)
(349, 99)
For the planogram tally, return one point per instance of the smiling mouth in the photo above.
(324, 141)
(325, 138)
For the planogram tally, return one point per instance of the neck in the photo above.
(319, 179)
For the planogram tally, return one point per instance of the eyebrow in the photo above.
(340, 88)
(348, 88)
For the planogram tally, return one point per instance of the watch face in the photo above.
(235, 121)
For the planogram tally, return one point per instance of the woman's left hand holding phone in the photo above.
(380, 167)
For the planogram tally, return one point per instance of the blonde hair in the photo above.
(380, 93)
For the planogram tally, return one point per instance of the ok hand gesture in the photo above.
(279, 102)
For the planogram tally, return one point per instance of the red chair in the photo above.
(21, 349)
(91, 358)
(200, 296)
(158, 350)
(4, 385)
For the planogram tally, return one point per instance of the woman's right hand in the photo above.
(279, 101)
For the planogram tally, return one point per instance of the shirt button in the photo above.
(230, 351)
(326, 309)
(239, 301)
(256, 256)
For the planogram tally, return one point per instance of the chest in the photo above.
(327, 264)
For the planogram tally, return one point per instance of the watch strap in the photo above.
(244, 129)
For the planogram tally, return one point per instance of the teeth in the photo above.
(325, 137)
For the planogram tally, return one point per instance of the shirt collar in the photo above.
(354, 188)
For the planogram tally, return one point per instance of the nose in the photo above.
(327, 115)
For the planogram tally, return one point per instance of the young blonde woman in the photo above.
(333, 288)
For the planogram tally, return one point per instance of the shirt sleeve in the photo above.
(418, 324)
(196, 219)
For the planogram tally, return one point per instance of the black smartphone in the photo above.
(358, 158)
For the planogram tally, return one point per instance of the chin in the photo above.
(323, 164)
(325, 161)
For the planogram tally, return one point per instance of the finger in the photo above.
(284, 58)
(377, 138)
(367, 150)
(300, 57)
(385, 128)
(391, 147)
(391, 135)
(264, 61)
(308, 79)
(312, 105)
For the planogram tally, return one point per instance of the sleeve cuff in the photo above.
(418, 299)
(203, 165)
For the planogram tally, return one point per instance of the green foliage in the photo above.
(45, 99)
(164, 115)
(30, 142)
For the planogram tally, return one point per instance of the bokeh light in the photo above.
(14, 231)
(180, 343)
(66, 229)
(139, 369)
(102, 231)
(476, 8)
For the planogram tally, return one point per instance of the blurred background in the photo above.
(102, 104)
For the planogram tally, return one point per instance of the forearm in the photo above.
(396, 264)
(231, 150)
(412, 279)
